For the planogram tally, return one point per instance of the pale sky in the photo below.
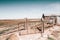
(28, 9)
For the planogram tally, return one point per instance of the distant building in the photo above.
(50, 20)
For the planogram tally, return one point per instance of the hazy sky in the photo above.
(30, 9)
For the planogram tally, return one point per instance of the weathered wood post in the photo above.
(26, 24)
(42, 28)
(43, 22)
(19, 29)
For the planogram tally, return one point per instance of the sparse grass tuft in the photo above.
(1, 32)
(49, 38)
(2, 24)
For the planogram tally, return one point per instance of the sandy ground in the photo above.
(37, 36)
(47, 33)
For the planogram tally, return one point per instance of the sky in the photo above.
(18, 9)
